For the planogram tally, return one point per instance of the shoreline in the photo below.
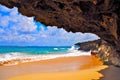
(66, 65)
(111, 73)
(19, 58)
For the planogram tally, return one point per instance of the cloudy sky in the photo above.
(18, 30)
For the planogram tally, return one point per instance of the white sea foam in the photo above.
(55, 48)
(16, 57)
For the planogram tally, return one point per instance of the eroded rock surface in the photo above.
(101, 17)
(103, 49)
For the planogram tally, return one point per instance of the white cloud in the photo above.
(4, 9)
(4, 21)
(27, 38)
(18, 28)
(43, 35)
(1, 30)
(26, 25)
(60, 36)
(22, 23)
(18, 38)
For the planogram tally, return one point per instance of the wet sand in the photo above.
(111, 73)
(67, 68)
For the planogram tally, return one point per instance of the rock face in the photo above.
(101, 17)
(104, 50)
(90, 45)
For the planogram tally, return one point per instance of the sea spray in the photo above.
(13, 58)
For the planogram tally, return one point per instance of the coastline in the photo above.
(111, 73)
(79, 67)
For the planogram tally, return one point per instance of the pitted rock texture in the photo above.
(101, 17)
(104, 50)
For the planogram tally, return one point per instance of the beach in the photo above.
(59, 39)
(64, 68)
(111, 73)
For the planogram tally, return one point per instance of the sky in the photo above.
(18, 30)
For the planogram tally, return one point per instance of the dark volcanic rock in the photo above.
(105, 51)
(101, 17)
(90, 45)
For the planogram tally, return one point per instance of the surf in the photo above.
(14, 58)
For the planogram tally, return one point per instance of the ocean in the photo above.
(12, 55)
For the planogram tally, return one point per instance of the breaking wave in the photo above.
(55, 48)
(15, 58)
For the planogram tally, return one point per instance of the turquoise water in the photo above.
(15, 54)
(34, 49)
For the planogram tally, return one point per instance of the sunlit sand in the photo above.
(88, 74)
(67, 68)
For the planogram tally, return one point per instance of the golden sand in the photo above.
(89, 74)
(67, 68)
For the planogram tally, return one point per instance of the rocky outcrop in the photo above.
(101, 17)
(90, 45)
(103, 49)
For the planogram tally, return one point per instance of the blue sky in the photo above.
(18, 30)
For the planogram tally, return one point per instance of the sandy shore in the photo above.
(67, 68)
(111, 73)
